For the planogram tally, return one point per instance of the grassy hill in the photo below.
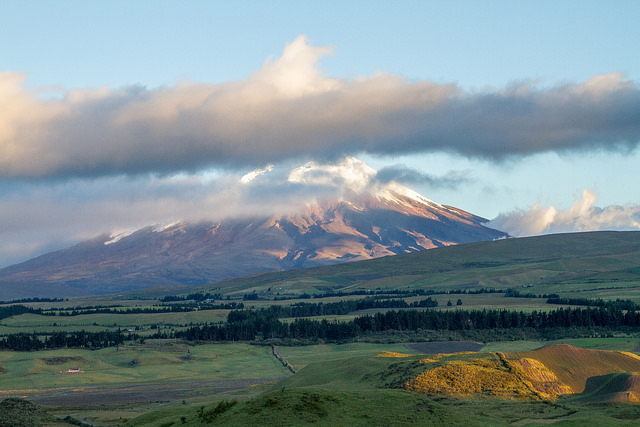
(579, 265)
(618, 387)
(574, 366)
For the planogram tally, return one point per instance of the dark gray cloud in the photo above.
(409, 176)
(289, 110)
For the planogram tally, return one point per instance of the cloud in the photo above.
(295, 74)
(582, 216)
(36, 218)
(401, 174)
(350, 174)
(289, 110)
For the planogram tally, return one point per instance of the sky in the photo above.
(116, 115)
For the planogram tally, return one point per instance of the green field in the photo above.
(141, 323)
(331, 390)
(148, 363)
(202, 371)
(303, 355)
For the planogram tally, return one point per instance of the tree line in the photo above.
(246, 325)
(14, 310)
(198, 296)
(620, 304)
(34, 299)
(78, 339)
(170, 308)
(306, 309)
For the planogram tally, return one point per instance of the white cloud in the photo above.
(350, 174)
(583, 215)
(289, 110)
(295, 74)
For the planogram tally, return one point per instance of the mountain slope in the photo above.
(395, 220)
(602, 264)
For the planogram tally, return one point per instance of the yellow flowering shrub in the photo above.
(465, 378)
(391, 354)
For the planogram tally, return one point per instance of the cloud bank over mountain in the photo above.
(289, 110)
(36, 219)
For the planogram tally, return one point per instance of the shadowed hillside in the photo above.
(619, 387)
(574, 366)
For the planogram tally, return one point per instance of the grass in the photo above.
(304, 355)
(294, 407)
(312, 406)
(140, 364)
(100, 321)
(338, 385)
(612, 388)
(461, 378)
(360, 391)
(19, 412)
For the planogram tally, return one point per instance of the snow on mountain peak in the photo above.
(159, 228)
(115, 237)
(391, 191)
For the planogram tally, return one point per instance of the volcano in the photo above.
(392, 220)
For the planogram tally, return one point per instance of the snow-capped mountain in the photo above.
(392, 220)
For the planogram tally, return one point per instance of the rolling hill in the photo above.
(576, 366)
(591, 265)
(612, 388)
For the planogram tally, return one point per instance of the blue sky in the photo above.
(507, 109)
